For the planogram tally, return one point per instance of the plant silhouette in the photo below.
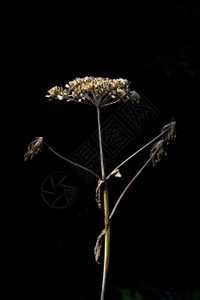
(101, 92)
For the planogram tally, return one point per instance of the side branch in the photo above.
(167, 128)
(71, 162)
(159, 146)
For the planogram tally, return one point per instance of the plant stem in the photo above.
(100, 144)
(106, 212)
(132, 180)
(106, 240)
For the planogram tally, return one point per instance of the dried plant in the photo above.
(101, 92)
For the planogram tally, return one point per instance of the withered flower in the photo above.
(171, 133)
(34, 148)
(159, 149)
(157, 152)
(96, 91)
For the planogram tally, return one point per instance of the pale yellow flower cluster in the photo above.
(96, 91)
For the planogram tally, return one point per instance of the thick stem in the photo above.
(106, 240)
(100, 144)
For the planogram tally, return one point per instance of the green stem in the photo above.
(106, 240)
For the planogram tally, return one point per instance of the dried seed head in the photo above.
(171, 133)
(157, 152)
(159, 149)
(96, 91)
(34, 148)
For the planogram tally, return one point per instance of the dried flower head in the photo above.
(157, 152)
(34, 148)
(96, 91)
(171, 132)
(159, 149)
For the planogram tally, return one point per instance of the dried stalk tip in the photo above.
(96, 91)
(33, 148)
(98, 246)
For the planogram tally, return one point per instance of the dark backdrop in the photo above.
(154, 234)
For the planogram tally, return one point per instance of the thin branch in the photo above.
(71, 162)
(142, 148)
(133, 179)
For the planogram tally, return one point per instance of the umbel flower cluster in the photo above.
(96, 91)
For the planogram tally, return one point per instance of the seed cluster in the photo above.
(171, 133)
(157, 152)
(34, 148)
(96, 91)
(159, 149)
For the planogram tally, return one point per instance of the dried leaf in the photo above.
(98, 246)
(117, 173)
(98, 193)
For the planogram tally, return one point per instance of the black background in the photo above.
(154, 234)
